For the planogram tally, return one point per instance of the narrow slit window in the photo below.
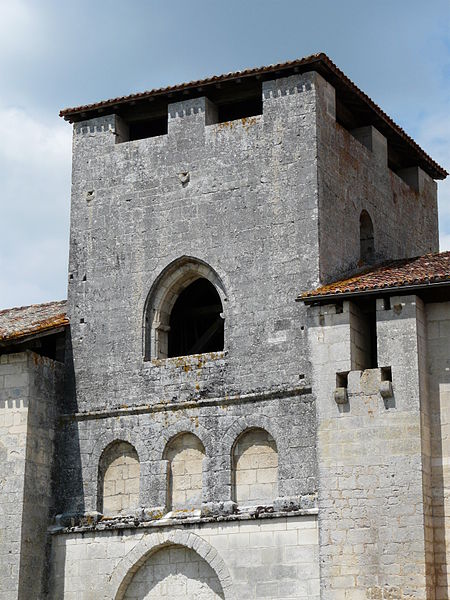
(363, 335)
(366, 238)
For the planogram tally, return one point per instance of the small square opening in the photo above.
(386, 373)
(239, 109)
(342, 379)
(147, 128)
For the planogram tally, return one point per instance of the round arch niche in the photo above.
(174, 571)
(185, 311)
(150, 545)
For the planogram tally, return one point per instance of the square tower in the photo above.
(195, 405)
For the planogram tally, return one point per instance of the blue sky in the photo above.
(58, 54)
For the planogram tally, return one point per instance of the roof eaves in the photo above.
(36, 329)
(369, 291)
(245, 73)
(437, 171)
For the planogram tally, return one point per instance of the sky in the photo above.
(57, 54)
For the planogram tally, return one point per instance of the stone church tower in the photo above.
(245, 394)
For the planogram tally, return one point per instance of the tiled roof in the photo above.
(421, 270)
(23, 321)
(353, 96)
(67, 113)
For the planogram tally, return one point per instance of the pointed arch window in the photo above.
(185, 311)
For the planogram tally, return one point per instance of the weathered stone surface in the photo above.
(226, 457)
(29, 388)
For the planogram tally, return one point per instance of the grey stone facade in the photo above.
(262, 207)
(30, 387)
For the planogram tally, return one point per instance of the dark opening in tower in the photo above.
(196, 322)
(366, 238)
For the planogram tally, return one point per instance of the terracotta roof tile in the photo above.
(421, 270)
(23, 321)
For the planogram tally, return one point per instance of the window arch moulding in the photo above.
(163, 296)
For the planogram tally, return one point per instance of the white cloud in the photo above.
(35, 197)
(26, 140)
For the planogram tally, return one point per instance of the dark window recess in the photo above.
(139, 130)
(369, 316)
(342, 379)
(372, 319)
(196, 324)
(366, 238)
(52, 346)
(386, 373)
(240, 109)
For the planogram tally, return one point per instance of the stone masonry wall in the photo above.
(247, 208)
(14, 379)
(438, 364)
(290, 421)
(271, 558)
(373, 489)
(353, 177)
(29, 386)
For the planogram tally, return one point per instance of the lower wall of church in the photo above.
(273, 558)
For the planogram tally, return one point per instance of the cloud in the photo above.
(32, 142)
(35, 196)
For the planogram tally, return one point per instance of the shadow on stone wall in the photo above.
(67, 474)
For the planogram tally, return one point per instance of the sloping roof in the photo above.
(421, 270)
(357, 100)
(20, 322)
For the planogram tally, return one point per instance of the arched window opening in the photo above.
(196, 322)
(185, 311)
(366, 238)
(118, 479)
(185, 454)
(255, 468)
